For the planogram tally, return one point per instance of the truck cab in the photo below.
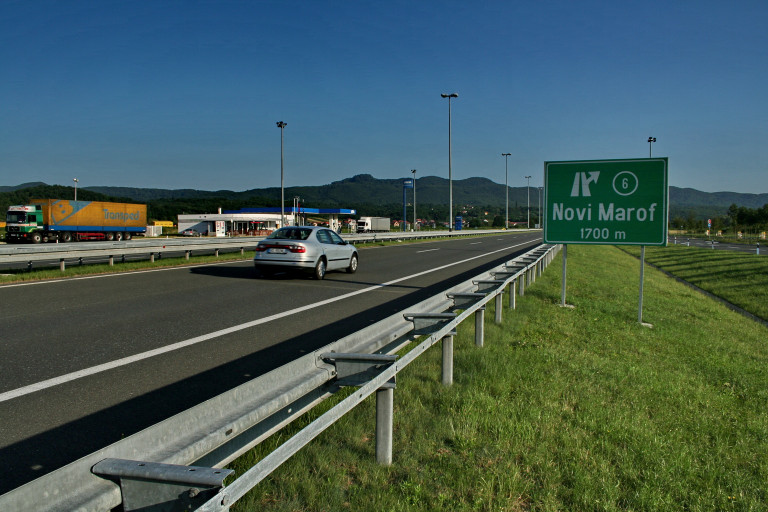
(24, 222)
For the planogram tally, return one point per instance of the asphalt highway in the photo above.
(87, 361)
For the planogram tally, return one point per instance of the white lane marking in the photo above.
(427, 250)
(39, 386)
(475, 243)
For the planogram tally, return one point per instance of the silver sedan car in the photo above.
(309, 248)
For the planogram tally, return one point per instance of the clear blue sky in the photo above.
(186, 94)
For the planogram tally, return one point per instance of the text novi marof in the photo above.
(605, 213)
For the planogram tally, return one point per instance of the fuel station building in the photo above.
(258, 221)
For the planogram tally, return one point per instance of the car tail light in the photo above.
(297, 248)
(261, 248)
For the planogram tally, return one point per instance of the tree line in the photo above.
(737, 219)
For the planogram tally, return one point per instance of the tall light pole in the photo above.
(651, 140)
(450, 176)
(282, 126)
(506, 187)
(528, 222)
(414, 199)
(76, 181)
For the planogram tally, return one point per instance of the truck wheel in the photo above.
(109, 236)
(127, 235)
(36, 238)
(319, 273)
(118, 236)
(66, 237)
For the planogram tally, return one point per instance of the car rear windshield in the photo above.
(290, 234)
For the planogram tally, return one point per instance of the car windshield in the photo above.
(291, 233)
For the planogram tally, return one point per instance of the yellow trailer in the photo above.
(50, 220)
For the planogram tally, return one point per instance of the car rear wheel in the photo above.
(352, 268)
(320, 269)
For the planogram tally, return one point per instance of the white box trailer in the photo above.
(372, 224)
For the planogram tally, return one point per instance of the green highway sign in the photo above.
(608, 202)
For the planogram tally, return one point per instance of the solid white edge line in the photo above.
(49, 383)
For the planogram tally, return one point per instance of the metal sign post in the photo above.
(607, 202)
(565, 263)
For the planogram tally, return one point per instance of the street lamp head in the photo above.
(75, 180)
(651, 139)
(506, 154)
(281, 124)
(452, 95)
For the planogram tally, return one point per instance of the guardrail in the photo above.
(151, 248)
(155, 465)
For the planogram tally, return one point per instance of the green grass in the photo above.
(562, 409)
(739, 278)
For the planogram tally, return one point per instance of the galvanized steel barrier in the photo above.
(177, 458)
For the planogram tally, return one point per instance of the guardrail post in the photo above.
(480, 326)
(151, 257)
(447, 377)
(499, 305)
(384, 414)
(61, 265)
(521, 288)
(186, 255)
(111, 260)
(155, 486)
(512, 290)
(242, 251)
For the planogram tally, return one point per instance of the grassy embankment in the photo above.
(739, 278)
(562, 409)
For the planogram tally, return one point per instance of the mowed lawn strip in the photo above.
(739, 278)
(563, 409)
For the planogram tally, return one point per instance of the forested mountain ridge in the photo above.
(368, 195)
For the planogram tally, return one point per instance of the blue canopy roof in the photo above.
(290, 209)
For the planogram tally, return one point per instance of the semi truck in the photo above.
(62, 220)
(372, 224)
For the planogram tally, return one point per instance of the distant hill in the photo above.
(363, 192)
(22, 186)
(362, 188)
